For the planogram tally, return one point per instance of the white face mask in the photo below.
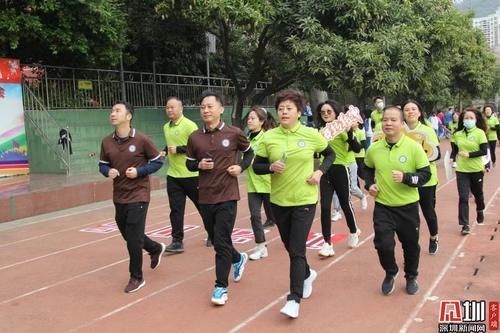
(469, 123)
(380, 105)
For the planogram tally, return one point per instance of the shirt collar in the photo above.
(397, 144)
(177, 122)
(291, 130)
(219, 127)
(131, 134)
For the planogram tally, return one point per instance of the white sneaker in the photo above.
(336, 216)
(291, 309)
(259, 252)
(353, 239)
(364, 202)
(326, 250)
(308, 284)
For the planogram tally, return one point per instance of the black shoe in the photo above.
(433, 246)
(175, 247)
(268, 224)
(156, 258)
(209, 242)
(411, 286)
(388, 284)
(465, 230)
(480, 216)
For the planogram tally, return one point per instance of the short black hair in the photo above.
(128, 107)
(174, 97)
(207, 93)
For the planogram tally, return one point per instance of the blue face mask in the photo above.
(469, 123)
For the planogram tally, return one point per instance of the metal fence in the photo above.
(75, 88)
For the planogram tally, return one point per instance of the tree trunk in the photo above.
(237, 114)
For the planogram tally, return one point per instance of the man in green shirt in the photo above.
(377, 113)
(395, 166)
(181, 182)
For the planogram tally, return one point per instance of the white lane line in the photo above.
(273, 303)
(55, 232)
(96, 270)
(73, 248)
(441, 275)
(139, 300)
(110, 219)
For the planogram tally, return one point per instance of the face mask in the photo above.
(380, 105)
(469, 123)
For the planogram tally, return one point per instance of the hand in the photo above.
(234, 170)
(172, 150)
(315, 177)
(113, 173)
(278, 167)
(373, 190)
(397, 176)
(463, 154)
(131, 173)
(206, 164)
(163, 154)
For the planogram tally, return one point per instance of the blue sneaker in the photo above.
(219, 297)
(239, 267)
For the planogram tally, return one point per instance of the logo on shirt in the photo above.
(177, 133)
(225, 143)
(131, 148)
(402, 159)
(471, 138)
(301, 143)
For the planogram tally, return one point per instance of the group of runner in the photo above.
(288, 166)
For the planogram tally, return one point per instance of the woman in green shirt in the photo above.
(287, 152)
(415, 121)
(337, 178)
(469, 146)
(259, 186)
(489, 113)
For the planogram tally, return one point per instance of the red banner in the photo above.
(10, 71)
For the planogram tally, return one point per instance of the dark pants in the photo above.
(255, 202)
(493, 146)
(178, 189)
(219, 220)
(294, 224)
(473, 182)
(361, 168)
(336, 179)
(131, 221)
(428, 206)
(403, 221)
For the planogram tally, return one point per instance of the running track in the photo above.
(56, 278)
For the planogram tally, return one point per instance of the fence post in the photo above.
(122, 78)
(47, 88)
(155, 101)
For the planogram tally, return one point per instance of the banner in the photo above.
(13, 146)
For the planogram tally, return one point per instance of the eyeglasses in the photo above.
(325, 112)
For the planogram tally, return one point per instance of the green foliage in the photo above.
(68, 32)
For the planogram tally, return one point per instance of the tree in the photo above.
(176, 46)
(251, 37)
(68, 32)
